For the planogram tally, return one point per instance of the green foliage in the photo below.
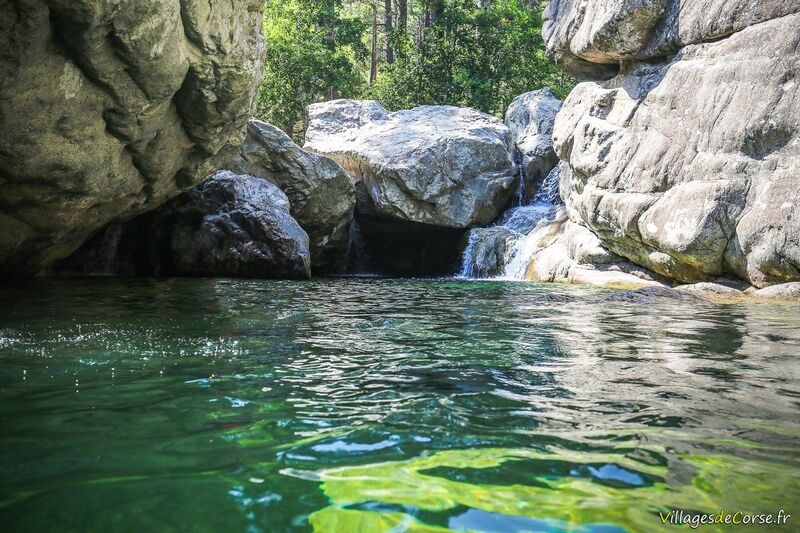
(458, 52)
(311, 55)
(472, 56)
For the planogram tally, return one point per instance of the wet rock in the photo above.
(436, 165)
(783, 291)
(652, 295)
(531, 117)
(109, 109)
(231, 225)
(488, 251)
(714, 292)
(320, 192)
(566, 252)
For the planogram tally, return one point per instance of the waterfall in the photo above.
(468, 261)
(519, 199)
(530, 221)
(356, 250)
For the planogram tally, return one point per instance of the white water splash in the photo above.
(517, 267)
(529, 220)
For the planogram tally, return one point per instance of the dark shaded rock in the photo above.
(109, 109)
(653, 294)
(321, 193)
(389, 247)
(231, 225)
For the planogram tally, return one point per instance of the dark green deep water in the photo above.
(366, 405)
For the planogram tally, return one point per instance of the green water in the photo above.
(367, 405)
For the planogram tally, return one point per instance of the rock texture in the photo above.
(687, 162)
(488, 251)
(783, 291)
(566, 252)
(231, 225)
(320, 192)
(531, 117)
(108, 109)
(437, 165)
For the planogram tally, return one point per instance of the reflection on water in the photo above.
(367, 405)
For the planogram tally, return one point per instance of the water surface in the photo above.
(366, 405)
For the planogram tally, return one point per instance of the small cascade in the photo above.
(519, 199)
(517, 267)
(530, 221)
(468, 261)
(356, 250)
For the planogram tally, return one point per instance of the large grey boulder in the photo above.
(531, 117)
(109, 109)
(591, 38)
(321, 193)
(231, 225)
(436, 165)
(689, 166)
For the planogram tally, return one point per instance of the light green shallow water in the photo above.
(363, 405)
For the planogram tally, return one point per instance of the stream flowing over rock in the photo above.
(436, 165)
(321, 194)
(687, 159)
(109, 109)
(531, 117)
(231, 225)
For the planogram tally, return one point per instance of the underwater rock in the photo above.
(320, 192)
(531, 117)
(437, 165)
(783, 291)
(109, 109)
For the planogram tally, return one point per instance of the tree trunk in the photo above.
(373, 60)
(402, 16)
(389, 50)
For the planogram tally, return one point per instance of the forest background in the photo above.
(403, 53)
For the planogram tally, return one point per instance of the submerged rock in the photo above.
(687, 162)
(714, 292)
(653, 294)
(231, 225)
(320, 192)
(531, 117)
(783, 291)
(437, 165)
(109, 109)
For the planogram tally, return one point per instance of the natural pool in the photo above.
(365, 405)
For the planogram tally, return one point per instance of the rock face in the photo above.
(111, 108)
(566, 252)
(231, 225)
(437, 165)
(488, 251)
(687, 162)
(531, 117)
(320, 192)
